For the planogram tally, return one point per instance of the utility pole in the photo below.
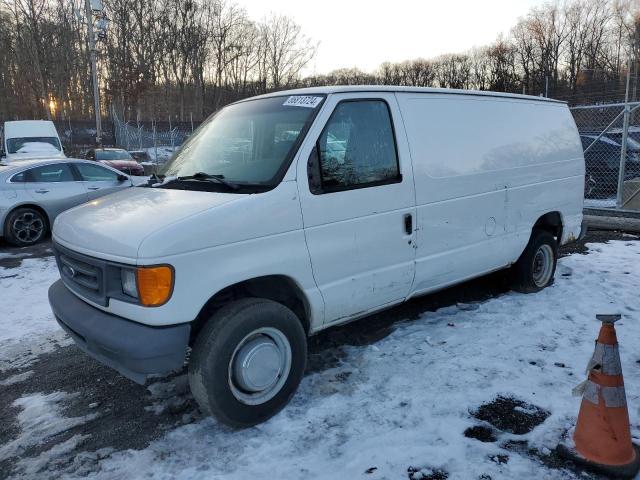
(625, 134)
(94, 7)
(546, 86)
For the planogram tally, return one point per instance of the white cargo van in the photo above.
(287, 213)
(30, 139)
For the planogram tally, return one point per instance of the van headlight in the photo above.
(152, 286)
(129, 284)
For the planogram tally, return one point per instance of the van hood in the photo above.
(115, 225)
(34, 155)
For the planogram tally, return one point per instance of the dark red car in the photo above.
(116, 158)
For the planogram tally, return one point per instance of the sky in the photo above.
(361, 33)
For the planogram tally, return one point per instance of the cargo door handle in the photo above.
(408, 224)
(93, 188)
(42, 190)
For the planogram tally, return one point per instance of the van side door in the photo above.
(463, 162)
(357, 195)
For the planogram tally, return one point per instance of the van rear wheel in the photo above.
(536, 267)
(248, 361)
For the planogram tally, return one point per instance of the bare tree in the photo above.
(288, 51)
(183, 58)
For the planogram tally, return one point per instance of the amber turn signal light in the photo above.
(155, 285)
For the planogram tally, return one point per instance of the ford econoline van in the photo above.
(288, 213)
(31, 139)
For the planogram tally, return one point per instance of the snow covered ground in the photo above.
(393, 408)
(600, 202)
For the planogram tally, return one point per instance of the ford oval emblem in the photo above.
(69, 271)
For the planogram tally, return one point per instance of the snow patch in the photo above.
(38, 147)
(25, 310)
(403, 406)
(19, 378)
(40, 418)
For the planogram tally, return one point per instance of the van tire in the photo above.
(39, 227)
(536, 267)
(218, 348)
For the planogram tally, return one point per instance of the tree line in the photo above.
(184, 59)
(576, 51)
(159, 59)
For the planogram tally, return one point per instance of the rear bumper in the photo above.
(574, 229)
(133, 349)
(583, 230)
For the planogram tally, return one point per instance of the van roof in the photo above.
(392, 88)
(29, 128)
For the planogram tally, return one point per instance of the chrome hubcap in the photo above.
(28, 227)
(543, 265)
(259, 366)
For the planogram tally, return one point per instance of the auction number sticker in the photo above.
(302, 101)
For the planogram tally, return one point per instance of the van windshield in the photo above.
(248, 143)
(33, 144)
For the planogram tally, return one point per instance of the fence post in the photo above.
(70, 130)
(625, 135)
(155, 147)
(126, 129)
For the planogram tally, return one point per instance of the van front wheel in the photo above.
(536, 267)
(248, 361)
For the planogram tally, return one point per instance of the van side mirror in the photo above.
(313, 172)
(122, 178)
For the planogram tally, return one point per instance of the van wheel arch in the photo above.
(279, 288)
(550, 222)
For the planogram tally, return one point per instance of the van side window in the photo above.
(357, 147)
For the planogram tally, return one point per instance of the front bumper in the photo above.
(133, 349)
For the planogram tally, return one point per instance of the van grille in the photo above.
(82, 274)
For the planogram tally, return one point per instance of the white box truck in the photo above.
(291, 212)
(30, 139)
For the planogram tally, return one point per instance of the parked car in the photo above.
(140, 155)
(602, 163)
(27, 139)
(34, 192)
(384, 194)
(117, 158)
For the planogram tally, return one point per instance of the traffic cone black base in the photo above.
(629, 470)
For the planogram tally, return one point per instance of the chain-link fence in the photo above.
(610, 136)
(157, 140)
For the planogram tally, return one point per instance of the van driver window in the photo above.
(357, 147)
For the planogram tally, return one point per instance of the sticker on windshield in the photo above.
(302, 101)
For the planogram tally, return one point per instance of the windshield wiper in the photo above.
(207, 177)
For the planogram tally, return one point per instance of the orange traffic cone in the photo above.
(602, 436)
